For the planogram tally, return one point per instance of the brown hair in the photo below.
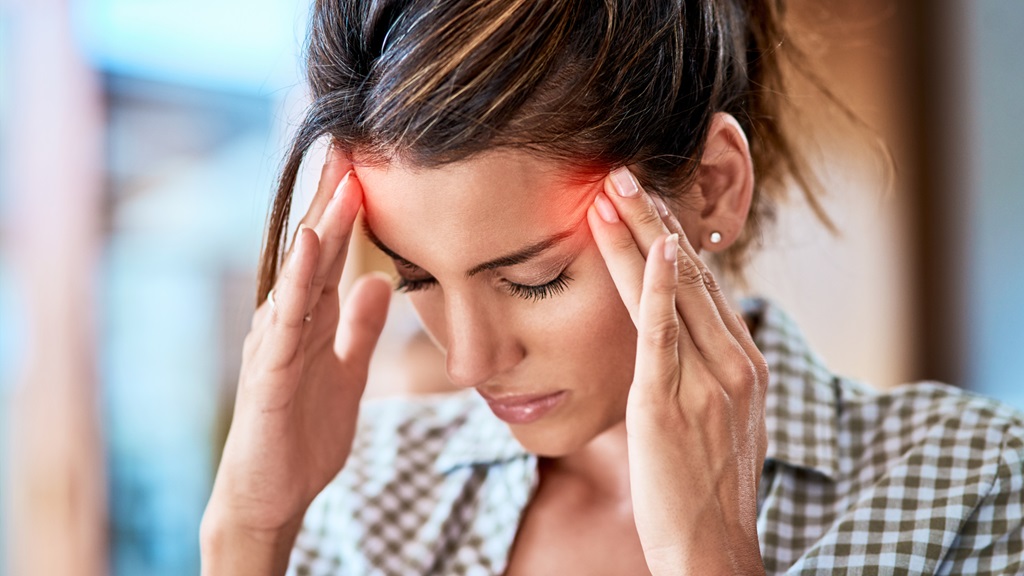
(595, 84)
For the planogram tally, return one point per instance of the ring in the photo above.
(273, 306)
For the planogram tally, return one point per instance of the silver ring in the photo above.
(273, 306)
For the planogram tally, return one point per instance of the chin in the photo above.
(558, 437)
(548, 446)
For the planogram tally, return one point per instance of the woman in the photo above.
(548, 177)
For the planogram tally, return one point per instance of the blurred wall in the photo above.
(991, 152)
(52, 132)
(851, 292)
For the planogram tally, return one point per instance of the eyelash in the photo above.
(534, 293)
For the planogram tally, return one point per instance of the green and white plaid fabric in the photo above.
(925, 479)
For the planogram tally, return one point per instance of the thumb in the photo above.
(362, 320)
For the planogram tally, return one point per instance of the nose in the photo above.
(480, 344)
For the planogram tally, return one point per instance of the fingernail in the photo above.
(662, 208)
(605, 208)
(624, 183)
(296, 244)
(671, 247)
(344, 179)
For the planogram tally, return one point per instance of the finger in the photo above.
(284, 333)
(693, 299)
(626, 265)
(636, 208)
(736, 328)
(743, 323)
(658, 330)
(335, 166)
(620, 252)
(334, 230)
(260, 316)
(733, 321)
(362, 321)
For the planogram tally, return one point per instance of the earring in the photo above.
(716, 237)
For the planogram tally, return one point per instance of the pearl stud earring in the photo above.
(716, 237)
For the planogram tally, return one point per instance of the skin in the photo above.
(655, 451)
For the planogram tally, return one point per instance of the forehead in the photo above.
(492, 203)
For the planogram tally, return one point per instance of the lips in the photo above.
(525, 408)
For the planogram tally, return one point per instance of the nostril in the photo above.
(467, 370)
(479, 346)
(474, 367)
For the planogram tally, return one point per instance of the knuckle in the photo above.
(663, 286)
(287, 275)
(648, 216)
(763, 376)
(319, 279)
(762, 370)
(690, 274)
(279, 320)
(663, 333)
(275, 317)
(709, 280)
(623, 243)
(741, 377)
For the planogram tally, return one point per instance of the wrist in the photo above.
(228, 547)
(707, 559)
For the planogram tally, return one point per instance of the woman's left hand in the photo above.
(695, 414)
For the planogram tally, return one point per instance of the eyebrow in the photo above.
(511, 259)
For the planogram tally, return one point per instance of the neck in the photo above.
(602, 465)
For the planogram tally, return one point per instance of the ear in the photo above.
(724, 186)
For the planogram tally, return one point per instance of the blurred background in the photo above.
(139, 141)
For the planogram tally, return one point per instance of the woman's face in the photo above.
(502, 269)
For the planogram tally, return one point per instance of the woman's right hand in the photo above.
(299, 388)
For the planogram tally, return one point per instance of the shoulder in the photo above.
(925, 476)
(939, 469)
(948, 427)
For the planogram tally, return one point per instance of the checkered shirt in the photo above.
(925, 479)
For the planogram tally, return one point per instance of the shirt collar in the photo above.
(481, 439)
(800, 407)
(802, 402)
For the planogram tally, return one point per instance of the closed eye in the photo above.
(524, 291)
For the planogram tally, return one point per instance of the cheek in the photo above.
(585, 329)
(592, 326)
